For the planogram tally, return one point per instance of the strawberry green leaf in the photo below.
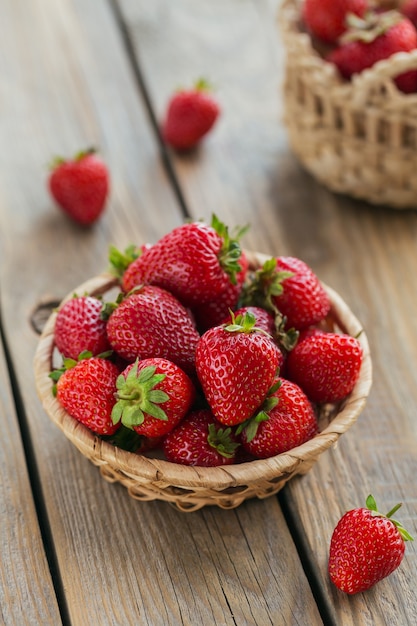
(371, 503)
(221, 440)
(230, 251)
(136, 396)
(120, 261)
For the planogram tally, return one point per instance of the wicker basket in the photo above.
(191, 488)
(358, 137)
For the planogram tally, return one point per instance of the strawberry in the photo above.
(326, 19)
(214, 312)
(195, 262)
(80, 186)
(366, 546)
(190, 115)
(236, 364)
(79, 327)
(150, 322)
(289, 286)
(325, 365)
(86, 391)
(152, 396)
(376, 37)
(285, 420)
(200, 440)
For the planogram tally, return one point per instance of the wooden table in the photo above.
(75, 549)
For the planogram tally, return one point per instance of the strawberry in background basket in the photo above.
(80, 186)
(326, 19)
(190, 115)
(373, 38)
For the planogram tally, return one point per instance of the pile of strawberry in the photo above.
(201, 356)
(355, 34)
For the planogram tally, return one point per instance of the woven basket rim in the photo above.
(217, 478)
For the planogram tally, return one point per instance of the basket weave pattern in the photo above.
(190, 488)
(357, 137)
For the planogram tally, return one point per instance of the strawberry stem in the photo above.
(371, 505)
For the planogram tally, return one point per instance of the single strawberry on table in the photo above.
(191, 114)
(366, 546)
(326, 365)
(285, 420)
(153, 396)
(80, 186)
(196, 262)
(79, 327)
(86, 390)
(326, 19)
(151, 322)
(200, 440)
(375, 37)
(236, 364)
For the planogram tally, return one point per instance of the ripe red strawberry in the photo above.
(86, 391)
(288, 285)
(377, 37)
(152, 323)
(236, 365)
(79, 327)
(190, 115)
(213, 313)
(365, 547)
(325, 365)
(200, 440)
(195, 262)
(326, 19)
(153, 396)
(80, 186)
(286, 420)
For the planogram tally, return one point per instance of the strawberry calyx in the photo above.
(265, 284)
(369, 27)
(244, 323)
(136, 395)
(202, 84)
(68, 363)
(120, 261)
(372, 506)
(221, 440)
(59, 160)
(230, 251)
(251, 425)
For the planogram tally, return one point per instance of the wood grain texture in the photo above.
(68, 82)
(27, 594)
(245, 172)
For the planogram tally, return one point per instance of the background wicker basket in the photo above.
(191, 488)
(358, 137)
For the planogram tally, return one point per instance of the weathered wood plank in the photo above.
(27, 594)
(245, 172)
(68, 83)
